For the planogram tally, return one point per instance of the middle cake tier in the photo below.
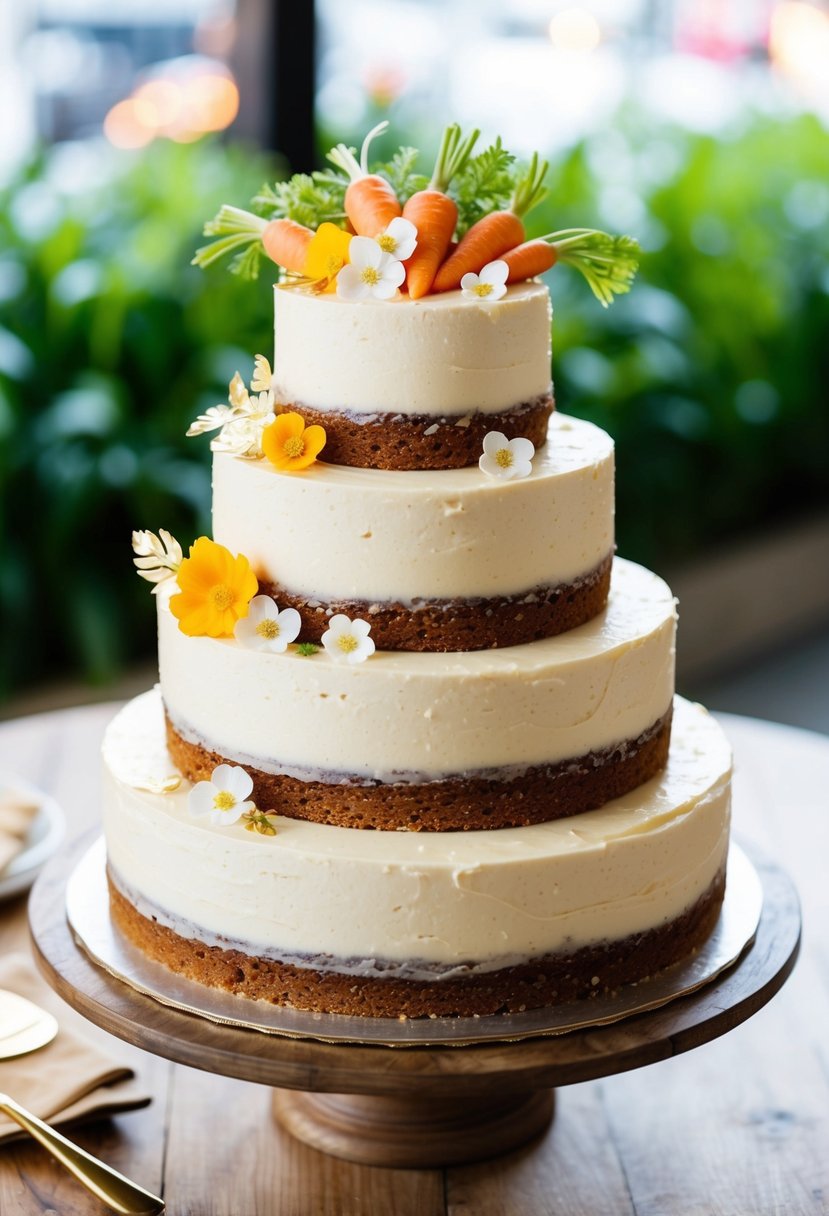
(438, 560)
(440, 742)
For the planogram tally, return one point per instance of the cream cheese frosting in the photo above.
(408, 716)
(333, 532)
(442, 355)
(489, 898)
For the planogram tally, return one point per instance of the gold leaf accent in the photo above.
(157, 558)
(168, 786)
(262, 375)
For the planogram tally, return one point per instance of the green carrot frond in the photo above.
(609, 263)
(453, 154)
(529, 189)
(401, 175)
(238, 232)
(485, 184)
(308, 198)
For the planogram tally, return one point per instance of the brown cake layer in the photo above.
(550, 980)
(461, 624)
(421, 441)
(537, 795)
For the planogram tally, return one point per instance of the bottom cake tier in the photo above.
(392, 924)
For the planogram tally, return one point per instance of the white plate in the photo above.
(46, 831)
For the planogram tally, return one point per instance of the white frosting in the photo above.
(368, 534)
(448, 898)
(421, 716)
(442, 355)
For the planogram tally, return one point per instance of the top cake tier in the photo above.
(414, 384)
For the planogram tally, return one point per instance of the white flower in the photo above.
(223, 796)
(399, 239)
(370, 274)
(347, 641)
(489, 285)
(506, 457)
(266, 628)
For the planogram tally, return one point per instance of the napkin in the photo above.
(17, 811)
(69, 1080)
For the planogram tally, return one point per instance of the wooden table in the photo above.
(735, 1128)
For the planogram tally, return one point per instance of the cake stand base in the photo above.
(418, 1106)
(412, 1132)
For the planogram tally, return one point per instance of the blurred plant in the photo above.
(109, 344)
(710, 375)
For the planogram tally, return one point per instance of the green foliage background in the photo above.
(711, 375)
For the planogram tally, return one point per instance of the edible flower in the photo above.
(399, 239)
(347, 641)
(223, 797)
(328, 252)
(266, 628)
(290, 445)
(371, 274)
(489, 285)
(506, 457)
(216, 590)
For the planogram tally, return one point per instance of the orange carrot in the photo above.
(527, 260)
(495, 233)
(608, 263)
(245, 235)
(370, 202)
(286, 243)
(434, 214)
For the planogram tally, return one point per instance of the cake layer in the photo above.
(589, 972)
(415, 908)
(438, 356)
(539, 794)
(414, 717)
(414, 442)
(477, 623)
(402, 549)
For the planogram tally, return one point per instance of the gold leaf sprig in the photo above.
(157, 558)
(242, 421)
(259, 821)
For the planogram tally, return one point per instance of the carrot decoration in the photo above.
(495, 233)
(609, 263)
(243, 233)
(434, 214)
(370, 202)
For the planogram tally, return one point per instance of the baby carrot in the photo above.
(434, 214)
(607, 262)
(370, 202)
(284, 241)
(495, 233)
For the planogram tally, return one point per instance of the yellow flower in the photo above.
(291, 445)
(216, 590)
(327, 254)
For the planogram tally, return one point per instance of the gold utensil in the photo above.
(116, 1191)
(23, 1026)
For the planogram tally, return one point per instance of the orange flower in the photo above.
(216, 590)
(291, 445)
(326, 255)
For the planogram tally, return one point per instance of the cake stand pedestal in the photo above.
(415, 1106)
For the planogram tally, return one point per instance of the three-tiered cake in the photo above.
(415, 748)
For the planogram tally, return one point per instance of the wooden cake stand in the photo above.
(422, 1106)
